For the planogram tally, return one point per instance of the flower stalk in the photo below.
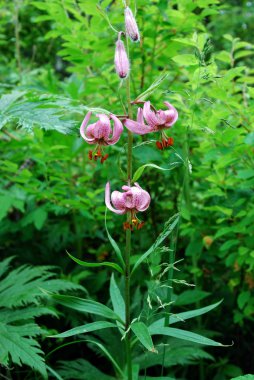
(128, 231)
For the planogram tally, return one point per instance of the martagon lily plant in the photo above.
(101, 131)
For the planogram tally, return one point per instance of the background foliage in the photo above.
(56, 63)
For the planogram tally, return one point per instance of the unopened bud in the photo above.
(131, 25)
(121, 59)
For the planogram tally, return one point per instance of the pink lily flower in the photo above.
(133, 199)
(157, 121)
(100, 133)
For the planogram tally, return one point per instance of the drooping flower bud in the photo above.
(121, 59)
(131, 25)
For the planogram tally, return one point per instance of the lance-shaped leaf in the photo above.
(86, 306)
(140, 170)
(117, 299)
(94, 265)
(169, 227)
(142, 333)
(152, 88)
(89, 327)
(185, 335)
(180, 317)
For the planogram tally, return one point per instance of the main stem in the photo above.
(128, 236)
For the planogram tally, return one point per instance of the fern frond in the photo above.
(30, 312)
(20, 348)
(23, 285)
(47, 111)
(20, 304)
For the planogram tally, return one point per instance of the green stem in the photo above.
(128, 235)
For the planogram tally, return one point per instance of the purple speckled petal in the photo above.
(144, 199)
(140, 117)
(150, 116)
(118, 200)
(90, 139)
(108, 203)
(102, 128)
(172, 114)
(138, 128)
(117, 131)
(89, 131)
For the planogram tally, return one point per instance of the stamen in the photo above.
(165, 142)
(90, 155)
(104, 158)
(159, 145)
(170, 141)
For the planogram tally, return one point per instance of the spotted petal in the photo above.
(83, 129)
(150, 116)
(108, 203)
(137, 128)
(172, 114)
(102, 128)
(117, 131)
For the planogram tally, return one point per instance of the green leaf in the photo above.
(39, 217)
(89, 327)
(243, 299)
(140, 170)
(94, 265)
(5, 204)
(185, 59)
(85, 306)
(142, 333)
(179, 317)
(22, 285)
(245, 377)
(114, 244)
(117, 299)
(185, 335)
(168, 228)
(152, 88)
(20, 348)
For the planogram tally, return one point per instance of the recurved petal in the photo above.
(89, 139)
(172, 114)
(118, 200)
(108, 203)
(150, 116)
(117, 131)
(140, 117)
(143, 201)
(89, 131)
(138, 128)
